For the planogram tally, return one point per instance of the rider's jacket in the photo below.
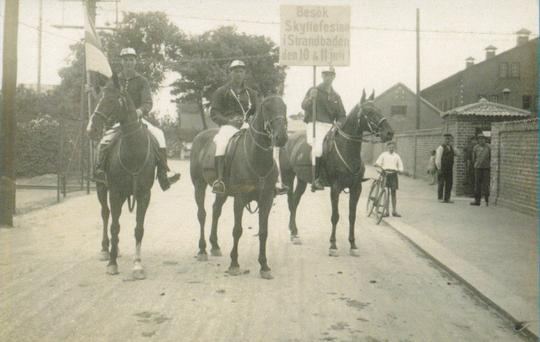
(227, 104)
(329, 106)
(138, 88)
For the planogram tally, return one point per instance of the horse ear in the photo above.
(363, 99)
(372, 96)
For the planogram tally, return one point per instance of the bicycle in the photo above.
(378, 197)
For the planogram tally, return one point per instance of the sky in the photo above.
(383, 50)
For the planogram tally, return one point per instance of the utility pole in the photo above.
(8, 121)
(40, 33)
(417, 68)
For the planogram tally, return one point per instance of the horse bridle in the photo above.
(373, 127)
(122, 100)
(267, 131)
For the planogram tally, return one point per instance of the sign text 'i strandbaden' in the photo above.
(315, 35)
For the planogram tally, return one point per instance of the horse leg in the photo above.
(143, 200)
(200, 192)
(105, 213)
(354, 195)
(234, 268)
(216, 213)
(264, 211)
(294, 201)
(334, 197)
(116, 201)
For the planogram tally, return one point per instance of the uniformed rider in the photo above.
(138, 88)
(330, 110)
(231, 106)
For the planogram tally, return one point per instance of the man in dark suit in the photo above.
(444, 159)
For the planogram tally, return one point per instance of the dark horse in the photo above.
(130, 171)
(341, 161)
(252, 177)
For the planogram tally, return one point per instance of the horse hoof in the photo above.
(333, 252)
(139, 274)
(216, 252)
(266, 275)
(112, 269)
(202, 257)
(104, 256)
(354, 252)
(234, 271)
(296, 240)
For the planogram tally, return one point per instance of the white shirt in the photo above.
(390, 161)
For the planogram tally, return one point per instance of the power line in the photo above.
(360, 28)
(44, 31)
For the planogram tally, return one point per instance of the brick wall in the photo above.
(514, 165)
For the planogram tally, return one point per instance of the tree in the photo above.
(205, 59)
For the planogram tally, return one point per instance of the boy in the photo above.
(391, 161)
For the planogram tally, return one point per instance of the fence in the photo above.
(414, 148)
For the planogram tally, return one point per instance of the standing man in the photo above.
(232, 104)
(482, 165)
(136, 85)
(330, 110)
(444, 159)
(391, 163)
(469, 165)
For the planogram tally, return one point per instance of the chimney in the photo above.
(469, 62)
(490, 52)
(522, 36)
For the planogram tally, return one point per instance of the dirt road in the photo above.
(53, 288)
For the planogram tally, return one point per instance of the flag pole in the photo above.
(314, 118)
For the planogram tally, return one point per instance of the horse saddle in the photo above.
(209, 162)
(302, 150)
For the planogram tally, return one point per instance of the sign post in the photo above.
(314, 36)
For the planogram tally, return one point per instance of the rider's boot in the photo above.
(165, 180)
(318, 184)
(219, 187)
(99, 171)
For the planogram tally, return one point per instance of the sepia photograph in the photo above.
(269, 170)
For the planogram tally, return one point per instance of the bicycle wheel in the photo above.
(372, 197)
(382, 205)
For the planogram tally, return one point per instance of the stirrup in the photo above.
(218, 187)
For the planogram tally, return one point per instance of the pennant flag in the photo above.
(95, 58)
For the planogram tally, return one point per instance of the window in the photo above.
(503, 70)
(494, 98)
(398, 110)
(526, 102)
(514, 70)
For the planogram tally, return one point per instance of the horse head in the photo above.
(370, 118)
(274, 112)
(113, 106)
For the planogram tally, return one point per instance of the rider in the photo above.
(231, 106)
(329, 110)
(137, 87)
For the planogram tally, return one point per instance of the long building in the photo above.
(509, 78)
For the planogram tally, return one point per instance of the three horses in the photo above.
(251, 172)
